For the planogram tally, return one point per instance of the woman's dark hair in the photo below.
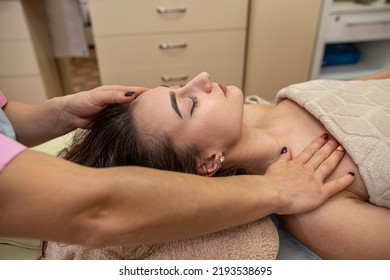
(115, 140)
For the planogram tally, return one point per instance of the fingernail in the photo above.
(325, 136)
(351, 173)
(284, 150)
(129, 93)
(340, 148)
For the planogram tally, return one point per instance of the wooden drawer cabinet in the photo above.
(178, 64)
(168, 42)
(151, 16)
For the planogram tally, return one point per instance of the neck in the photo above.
(260, 144)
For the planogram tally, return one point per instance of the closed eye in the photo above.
(195, 102)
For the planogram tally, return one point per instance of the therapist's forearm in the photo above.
(124, 205)
(35, 124)
(182, 205)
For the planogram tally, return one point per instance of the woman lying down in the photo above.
(204, 128)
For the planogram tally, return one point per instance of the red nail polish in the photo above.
(325, 136)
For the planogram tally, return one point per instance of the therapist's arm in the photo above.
(35, 124)
(49, 198)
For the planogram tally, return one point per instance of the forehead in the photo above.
(154, 92)
(158, 96)
(153, 111)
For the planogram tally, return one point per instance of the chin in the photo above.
(234, 91)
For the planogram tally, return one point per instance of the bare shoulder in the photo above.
(345, 227)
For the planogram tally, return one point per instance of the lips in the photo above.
(223, 88)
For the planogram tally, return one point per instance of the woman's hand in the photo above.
(80, 108)
(301, 183)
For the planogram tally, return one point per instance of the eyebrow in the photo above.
(174, 103)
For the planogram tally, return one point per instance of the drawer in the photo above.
(224, 48)
(25, 89)
(140, 16)
(122, 52)
(12, 21)
(358, 26)
(17, 58)
(224, 72)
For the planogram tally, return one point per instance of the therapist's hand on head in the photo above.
(80, 108)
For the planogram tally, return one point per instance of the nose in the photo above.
(201, 82)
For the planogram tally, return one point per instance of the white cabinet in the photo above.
(158, 42)
(366, 26)
(27, 69)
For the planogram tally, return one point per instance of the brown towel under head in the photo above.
(258, 240)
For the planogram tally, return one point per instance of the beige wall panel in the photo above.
(17, 58)
(25, 89)
(282, 37)
(12, 22)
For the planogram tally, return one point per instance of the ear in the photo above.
(209, 166)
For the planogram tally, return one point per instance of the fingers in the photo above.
(337, 185)
(328, 165)
(323, 156)
(285, 154)
(310, 150)
(133, 91)
(115, 94)
(320, 157)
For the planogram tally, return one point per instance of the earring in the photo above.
(221, 159)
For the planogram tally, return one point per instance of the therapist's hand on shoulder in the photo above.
(302, 181)
(80, 108)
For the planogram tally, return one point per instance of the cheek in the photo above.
(224, 120)
(212, 133)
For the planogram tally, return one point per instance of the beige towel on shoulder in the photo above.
(357, 114)
(254, 241)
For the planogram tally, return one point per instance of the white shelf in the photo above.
(367, 26)
(374, 57)
(352, 7)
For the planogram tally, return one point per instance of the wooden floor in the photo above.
(84, 72)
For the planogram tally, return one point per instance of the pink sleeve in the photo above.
(9, 148)
(3, 100)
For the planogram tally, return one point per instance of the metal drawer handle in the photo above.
(162, 10)
(172, 46)
(174, 79)
(382, 22)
